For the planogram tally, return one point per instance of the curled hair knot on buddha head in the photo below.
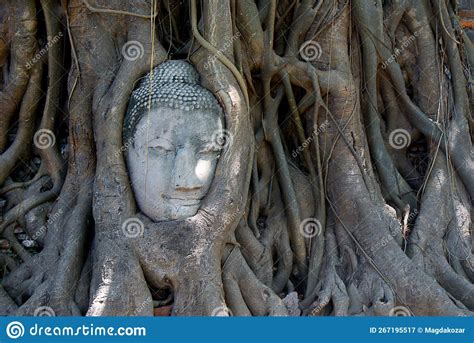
(173, 84)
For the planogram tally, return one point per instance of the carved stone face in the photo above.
(172, 161)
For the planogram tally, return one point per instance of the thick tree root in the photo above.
(244, 293)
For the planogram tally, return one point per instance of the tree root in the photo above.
(330, 288)
(245, 293)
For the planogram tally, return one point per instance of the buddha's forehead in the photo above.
(178, 124)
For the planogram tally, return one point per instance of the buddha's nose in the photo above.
(184, 174)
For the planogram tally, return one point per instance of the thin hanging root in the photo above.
(300, 130)
(173, 25)
(21, 145)
(77, 71)
(297, 69)
(285, 14)
(272, 134)
(62, 253)
(247, 289)
(237, 46)
(317, 244)
(307, 76)
(460, 152)
(118, 12)
(23, 48)
(469, 48)
(396, 187)
(285, 262)
(220, 56)
(50, 156)
(255, 200)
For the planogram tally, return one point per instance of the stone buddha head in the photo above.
(170, 130)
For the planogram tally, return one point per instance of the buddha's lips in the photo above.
(185, 201)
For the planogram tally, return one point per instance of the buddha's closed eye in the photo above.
(158, 145)
(209, 150)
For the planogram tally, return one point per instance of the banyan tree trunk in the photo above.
(346, 187)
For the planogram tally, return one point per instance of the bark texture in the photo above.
(345, 186)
